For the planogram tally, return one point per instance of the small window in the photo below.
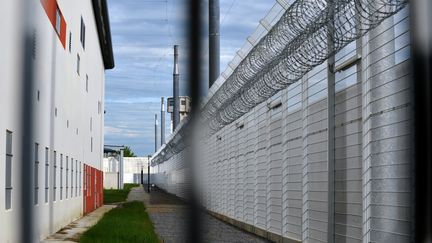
(87, 83)
(78, 63)
(55, 177)
(34, 44)
(82, 37)
(58, 20)
(67, 176)
(70, 42)
(80, 180)
(72, 172)
(91, 124)
(183, 102)
(8, 184)
(99, 107)
(46, 175)
(91, 144)
(61, 176)
(76, 178)
(36, 174)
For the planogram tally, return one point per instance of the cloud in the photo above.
(143, 34)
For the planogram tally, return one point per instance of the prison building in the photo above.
(71, 49)
(327, 158)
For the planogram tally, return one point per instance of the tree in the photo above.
(128, 152)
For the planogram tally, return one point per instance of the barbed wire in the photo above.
(306, 35)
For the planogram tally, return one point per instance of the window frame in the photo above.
(8, 172)
(46, 174)
(67, 177)
(70, 41)
(36, 174)
(82, 33)
(72, 172)
(55, 176)
(61, 177)
(58, 17)
(78, 63)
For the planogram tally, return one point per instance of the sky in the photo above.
(143, 34)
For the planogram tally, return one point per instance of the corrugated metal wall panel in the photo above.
(314, 121)
(274, 169)
(240, 171)
(348, 147)
(386, 149)
(261, 168)
(272, 172)
(251, 126)
(292, 166)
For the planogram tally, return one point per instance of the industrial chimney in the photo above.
(162, 121)
(176, 77)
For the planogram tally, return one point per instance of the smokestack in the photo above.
(214, 41)
(176, 77)
(156, 125)
(162, 121)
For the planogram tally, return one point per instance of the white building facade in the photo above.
(71, 51)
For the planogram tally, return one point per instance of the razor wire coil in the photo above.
(306, 35)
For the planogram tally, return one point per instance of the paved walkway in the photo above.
(170, 218)
(74, 230)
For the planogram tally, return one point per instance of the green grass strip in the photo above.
(115, 196)
(127, 223)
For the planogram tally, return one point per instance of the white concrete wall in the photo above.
(131, 171)
(131, 164)
(110, 180)
(62, 89)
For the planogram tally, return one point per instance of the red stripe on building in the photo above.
(51, 7)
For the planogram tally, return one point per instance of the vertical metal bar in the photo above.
(162, 121)
(214, 41)
(421, 39)
(176, 90)
(195, 83)
(331, 130)
(27, 122)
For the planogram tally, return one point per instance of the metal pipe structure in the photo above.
(214, 41)
(162, 121)
(176, 77)
(156, 131)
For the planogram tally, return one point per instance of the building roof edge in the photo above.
(101, 15)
